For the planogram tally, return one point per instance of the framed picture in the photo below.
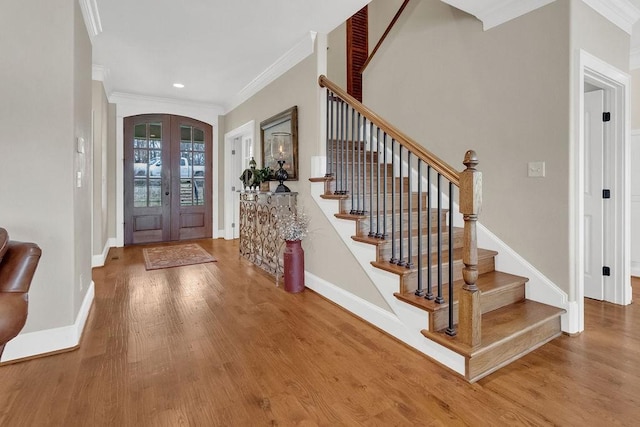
(279, 139)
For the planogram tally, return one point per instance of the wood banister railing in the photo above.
(374, 164)
(438, 164)
(384, 35)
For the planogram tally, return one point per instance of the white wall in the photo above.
(45, 104)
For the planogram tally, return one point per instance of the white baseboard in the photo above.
(635, 269)
(99, 260)
(570, 322)
(49, 340)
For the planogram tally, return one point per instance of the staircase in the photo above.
(392, 190)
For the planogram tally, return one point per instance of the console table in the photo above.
(259, 241)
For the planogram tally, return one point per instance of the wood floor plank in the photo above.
(219, 344)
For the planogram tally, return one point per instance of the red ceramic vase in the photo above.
(293, 266)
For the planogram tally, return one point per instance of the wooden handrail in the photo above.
(418, 150)
(384, 35)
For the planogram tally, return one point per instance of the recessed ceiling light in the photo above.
(178, 85)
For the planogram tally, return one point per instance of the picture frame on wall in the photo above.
(279, 141)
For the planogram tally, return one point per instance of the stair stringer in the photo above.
(410, 321)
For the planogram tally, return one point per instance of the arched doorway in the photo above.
(167, 178)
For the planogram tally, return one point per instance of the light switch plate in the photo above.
(536, 169)
(80, 144)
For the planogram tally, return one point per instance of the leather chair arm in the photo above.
(13, 307)
(18, 266)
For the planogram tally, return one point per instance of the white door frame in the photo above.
(615, 83)
(247, 130)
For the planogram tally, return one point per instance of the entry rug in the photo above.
(175, 256)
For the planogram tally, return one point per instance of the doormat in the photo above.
(175, 256)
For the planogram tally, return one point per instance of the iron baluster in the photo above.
(409, 263)
(439, 298)
(429, 294)
(419, 292)
(451, 330)
(401, 261)
(393, 259)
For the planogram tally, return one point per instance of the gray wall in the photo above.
(45, 103)
(337, 56)
(100, 111)
(325, 254)
(111, 170)
(635, 99)
(504, 93)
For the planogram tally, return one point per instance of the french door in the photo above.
(167, 178)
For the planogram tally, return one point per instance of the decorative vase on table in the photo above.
(293, 266)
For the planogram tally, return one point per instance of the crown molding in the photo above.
(99, 73)
(492, 13)
(495, 12)
(293, 56)
(91, 17)
(620, 12)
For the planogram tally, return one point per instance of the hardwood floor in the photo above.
(219, 345)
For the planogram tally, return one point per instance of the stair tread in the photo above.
(501, 325)
(334, 196)
(321, 179)
(487, 283)
(457, 256)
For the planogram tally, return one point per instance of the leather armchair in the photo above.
(18, 262)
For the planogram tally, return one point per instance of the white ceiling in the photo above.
(214, 47)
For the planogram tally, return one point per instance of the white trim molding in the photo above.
(91, 17)
(99, 259)
(293, 56)
(99, 72)
(495, 12)
(622, 13)
(615, 83)
(492, 13)
(50, 340)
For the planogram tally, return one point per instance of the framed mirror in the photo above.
(279, 141)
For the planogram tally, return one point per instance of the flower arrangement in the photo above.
(292, 225)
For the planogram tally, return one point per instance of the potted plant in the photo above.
(261, 178)
(292, 227)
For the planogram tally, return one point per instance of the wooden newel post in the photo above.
(470, 316)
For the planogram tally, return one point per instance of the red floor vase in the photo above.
(293, 267)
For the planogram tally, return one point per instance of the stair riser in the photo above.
(363, 225)
(489, 302)
(385, 250)
(391, 203)
(363, 186)
(409, 282)
(489, 361)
